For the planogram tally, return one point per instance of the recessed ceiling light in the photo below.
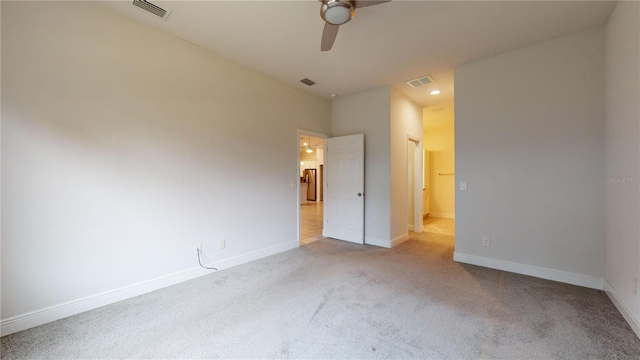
(334, 94)
(434, 92)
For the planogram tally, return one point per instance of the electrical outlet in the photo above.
(635, 286)
(463, 185)
(486, 241)
(221, 244)
(197, 247)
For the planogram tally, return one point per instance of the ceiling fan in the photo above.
(338, 12)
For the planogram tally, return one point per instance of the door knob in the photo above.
(359, 194)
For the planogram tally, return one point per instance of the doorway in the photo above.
(310, 185)
(439, 170)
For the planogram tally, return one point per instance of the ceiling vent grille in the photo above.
(307, 82)
(421, 81)
(152, 8)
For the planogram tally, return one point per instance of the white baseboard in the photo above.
(622, 307)
(377, 242)
(39, 317)
(443, 215)
(399, 240)
(544, 273)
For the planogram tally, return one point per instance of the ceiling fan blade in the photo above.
(328, 36)
(365, 3)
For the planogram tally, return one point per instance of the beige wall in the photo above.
(622, 262)
(368, 113)
(530, 145)
(442, 192)
(406, 121)
(386, 117)
(439, 143)
(122, 147)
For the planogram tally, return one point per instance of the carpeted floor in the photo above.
(336, 300)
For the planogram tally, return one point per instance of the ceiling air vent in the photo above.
(307, 82)
(154, 9)
(424, 80)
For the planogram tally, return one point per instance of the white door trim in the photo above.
(417, 182)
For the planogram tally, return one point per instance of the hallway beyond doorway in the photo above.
(437, 225)
(311, 222)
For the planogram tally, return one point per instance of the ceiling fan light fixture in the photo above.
(337, 12)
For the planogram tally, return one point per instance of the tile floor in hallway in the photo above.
(311, 222)
(442, 226)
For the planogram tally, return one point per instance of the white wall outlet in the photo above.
(486, 241)
(635, 286)
(221, 244)
(197, 247)
(463, 185)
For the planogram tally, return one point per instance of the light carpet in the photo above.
(336, 300)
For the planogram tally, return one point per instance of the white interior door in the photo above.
(344, 188)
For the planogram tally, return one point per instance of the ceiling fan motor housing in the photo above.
(337, 12)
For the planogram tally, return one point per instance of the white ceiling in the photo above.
(383, 45)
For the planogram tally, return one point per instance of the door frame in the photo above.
(417, 183)
(303, 132)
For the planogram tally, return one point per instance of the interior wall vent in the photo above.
(152, 8)
(421, 81)
(307, 82)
